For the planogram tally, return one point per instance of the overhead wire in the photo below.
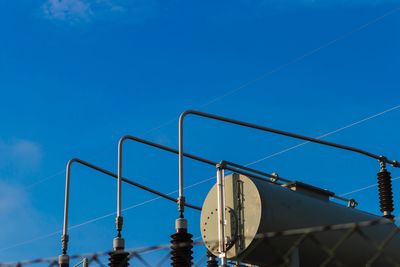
(364, 188)
(213, 177)
(305, 55)
(261, 77)
(326, 134)
(264, 75)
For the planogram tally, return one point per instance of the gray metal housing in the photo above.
(255, 207)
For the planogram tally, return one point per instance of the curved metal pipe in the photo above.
(109, 173)
(119, 220)
(229, 166)
(181, 198)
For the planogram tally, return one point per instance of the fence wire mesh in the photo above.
(348, 244)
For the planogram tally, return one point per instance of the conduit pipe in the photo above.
(234, 167)
(64, 258)
(181, 198)
(181, 256)
(230, 165)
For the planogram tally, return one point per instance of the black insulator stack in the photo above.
(181, 249)
(212, 260)
(118, 259)
(385, 193)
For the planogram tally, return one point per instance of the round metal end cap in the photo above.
(180, 223)
(63, 259)
(118, 243)
(243, 212)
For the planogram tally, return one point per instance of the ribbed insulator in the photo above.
(118, 259)
(212, 260)
(181, 249)
(385, 193)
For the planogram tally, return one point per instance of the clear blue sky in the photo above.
(75, 75)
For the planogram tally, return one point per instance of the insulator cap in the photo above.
(63, 261)
(118, 259)
(118, 243)
(180, 223)
(181, 249)
(385, 193)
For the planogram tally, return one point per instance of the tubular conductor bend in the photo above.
(183, 115)
(394, 163)
(119, 243)
(181, 200)
(64, 259)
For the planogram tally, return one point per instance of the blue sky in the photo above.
(75, 75)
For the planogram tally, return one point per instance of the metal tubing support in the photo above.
(181, 196)
(274, 177)
(230, 166)
(64, 258)
(181, 222)
(221, 213)
(119, 172)
(119, 243)
(394, 163)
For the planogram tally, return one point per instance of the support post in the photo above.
(221, 213)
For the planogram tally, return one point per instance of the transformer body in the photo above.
(255, 208)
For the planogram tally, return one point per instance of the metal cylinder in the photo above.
(63, 260)
(221, 215)
(255, 207)
(118, 243)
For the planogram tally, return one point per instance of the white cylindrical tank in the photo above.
(255, 207)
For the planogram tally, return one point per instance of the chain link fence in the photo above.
(348, 244)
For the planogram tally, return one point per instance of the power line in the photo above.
(79, 225)
(326, 134)
(45, 179)
(261, 77)
(211, 178)
(365, 188)
(305, 55)
(264, 75)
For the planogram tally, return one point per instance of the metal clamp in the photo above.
(352, 203)
(275, 177)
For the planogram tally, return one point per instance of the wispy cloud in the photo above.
(73, 11)
(70, 10)
(20, 219)
(20, 154)
(8, 196)
(15, 210)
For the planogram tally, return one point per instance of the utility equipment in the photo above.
(254, 208)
